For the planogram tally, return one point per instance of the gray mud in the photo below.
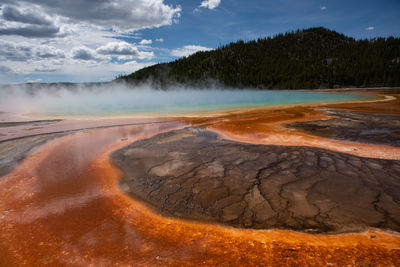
(14, 151)
(195, 174)
(365, 127)
(33, 123)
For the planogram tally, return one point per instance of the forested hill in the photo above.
(312, 58)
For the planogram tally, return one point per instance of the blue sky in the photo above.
(77, 41)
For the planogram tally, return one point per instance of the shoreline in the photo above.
(68, 123)
(264, 128)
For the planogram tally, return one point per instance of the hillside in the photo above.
(311, 58)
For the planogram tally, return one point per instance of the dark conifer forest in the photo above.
(311, 58)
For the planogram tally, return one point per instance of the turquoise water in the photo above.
(104, 101)
(182, 101)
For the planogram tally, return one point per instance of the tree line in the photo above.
(310, 58)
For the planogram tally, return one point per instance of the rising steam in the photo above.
(114, 99)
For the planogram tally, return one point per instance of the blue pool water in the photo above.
(196, 101)
(122, 101)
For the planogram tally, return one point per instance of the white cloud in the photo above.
(84, 53)
(29, 22)
(64, 37)
(28, 16)
(122, 15)
(45, 51)
(146, 55)
(118, 48)
(15, 51)
(160, 40)
(123, 50)
(103, 71)
(370, 28)
(187, 50)
(31, 31)
(324, 7)
(210, 4)
(145, 42)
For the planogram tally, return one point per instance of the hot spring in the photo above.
(120, 100)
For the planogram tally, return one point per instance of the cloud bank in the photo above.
(79, 37)
(124, 15)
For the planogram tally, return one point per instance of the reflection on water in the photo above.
(61, 206)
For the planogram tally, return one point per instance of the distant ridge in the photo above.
(310, 58)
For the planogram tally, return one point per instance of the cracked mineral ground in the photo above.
(195, 174)
(365, 127)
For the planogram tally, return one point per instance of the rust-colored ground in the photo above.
(267, 127)
(62, 206)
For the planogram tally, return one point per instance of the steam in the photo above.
(94, 99)
(118, 98)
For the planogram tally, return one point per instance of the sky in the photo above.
(96, 40)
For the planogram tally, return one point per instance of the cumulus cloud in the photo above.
(25, 52)
(160, 40)
(188, 50)
(31, 31)
(210, 4)
(27, 22)
(15, 52)
(74, 36)
(324, 8)
(45, 51)
(118, 48)
(84, 53)
(145, 55)
(370, 28)
(11, 13)
(117, 14)
(124, 50)
(145, 42)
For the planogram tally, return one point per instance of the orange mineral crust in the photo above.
(268, 127)
(62, 206)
